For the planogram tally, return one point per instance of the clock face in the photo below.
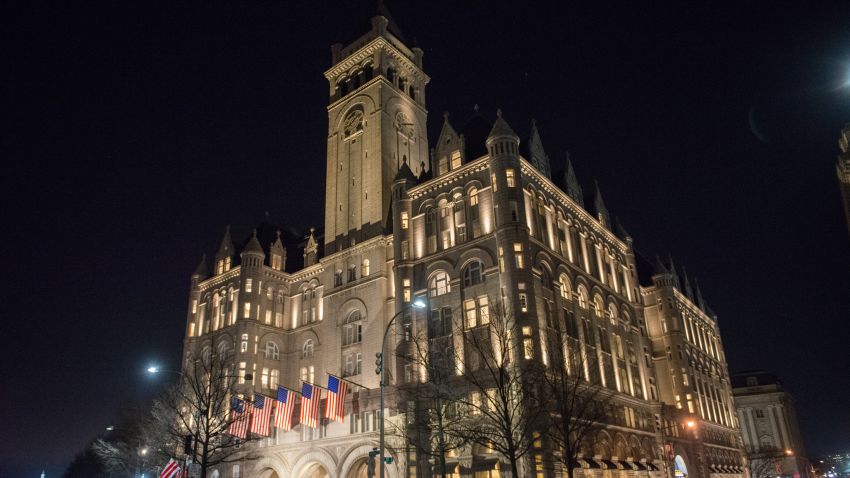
(353, 123)
(404, 125)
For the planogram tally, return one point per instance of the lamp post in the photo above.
(418, 304)
(689, 424)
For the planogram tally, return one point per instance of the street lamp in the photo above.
(418, 304)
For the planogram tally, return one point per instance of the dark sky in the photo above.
(135, 133)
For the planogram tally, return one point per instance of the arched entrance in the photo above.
(315, 470)
(680, 470)
(358, 469)
(268, 474)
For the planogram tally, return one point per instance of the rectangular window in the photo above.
(241, 376)
(246, 311)
(352, 274)
(470, 313)
(236, 471)
(514, 211)
(455, 159)
(405, 290)
(248, 284)
(501, 259)
(509, 176)
(523, 302)
(268, 317)
(404, 220)
(358, 363)
(264, 378)
(483, 310)
(518, 255)
(443, 166)
(338, 278)
(527, 343)
(274, 379)
(493, 181)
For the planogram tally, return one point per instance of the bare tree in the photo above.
(576, 406)
(763, 463)
(502, 407)
(199, 405)
(433, 423)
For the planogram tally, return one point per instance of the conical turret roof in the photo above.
(253, 245)
(202, 271)
(573, 188)
(226, 247)
(501, 128)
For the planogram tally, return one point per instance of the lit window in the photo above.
(518, 255)
(473, 197)
(244, 345)
(304, 375)
(501, 259)
(307, 349)
(364, 268)
(352, 331)
(527, 343)
(236, 471)
(241, 376)
(404, 220)
(246, 310)
(248, 284)
(272, 351)
(455, 159)
(475, 400)
(268, 316)
(277, 262)
(509, 177)
(470, 313)
(405, 290)
(483, 310)
(493, 182)
(439, 284)
(443, 166)
(264, 378)
(523, 302)
(227, 264)
(274, 378)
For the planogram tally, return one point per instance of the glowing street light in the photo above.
(789, 451)
(153, 369)
(691, 424)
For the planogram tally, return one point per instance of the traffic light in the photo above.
(379, 363)
(187, 444)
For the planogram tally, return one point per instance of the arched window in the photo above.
(566, 290)
(307, 349)
(272, 351)
(612, 313)
(473, 273)
(545, 280)
(391, 75)
(352, 330)
(439, 284)
(598, 305)
(582, 297)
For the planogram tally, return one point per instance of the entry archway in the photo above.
(315, 470)
(358, 469)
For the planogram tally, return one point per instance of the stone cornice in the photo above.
(447, 179)
(219, 279)
(367, 51)
(367, 245)
(546, 184)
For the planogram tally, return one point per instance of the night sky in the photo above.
(135, 134)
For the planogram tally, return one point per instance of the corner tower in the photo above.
(376, 123)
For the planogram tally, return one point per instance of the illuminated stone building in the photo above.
(769, 425)
(479, 218)
(843, 169)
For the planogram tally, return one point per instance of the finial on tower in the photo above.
(498, 112)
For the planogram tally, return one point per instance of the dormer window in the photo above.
(455, 159)
(277, 262)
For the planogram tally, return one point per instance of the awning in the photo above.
(609, 465)
(652, 466)
(638, 465)
(714, 469)
(589, 463)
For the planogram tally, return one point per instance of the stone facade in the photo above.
(484, 224)
(769, 425)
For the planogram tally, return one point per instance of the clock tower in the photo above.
(376, 123)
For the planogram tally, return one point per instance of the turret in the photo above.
(253, 255)
(599, 207)
(449, 151)
(311, 250)
(573, 188)
(687, 284)
(278, 254)
(536, 155)
(224, 256)
(503, 147)
(201, 272)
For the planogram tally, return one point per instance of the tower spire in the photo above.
(573, 188)
(536, 154)
(599, 207)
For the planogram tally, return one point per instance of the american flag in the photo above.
(310, 397)
(337, 388)
(239, 418)
(284, 408)
(171, 470)
(262, 414)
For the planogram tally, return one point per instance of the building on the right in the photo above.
(769, 426)
(843, 169)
